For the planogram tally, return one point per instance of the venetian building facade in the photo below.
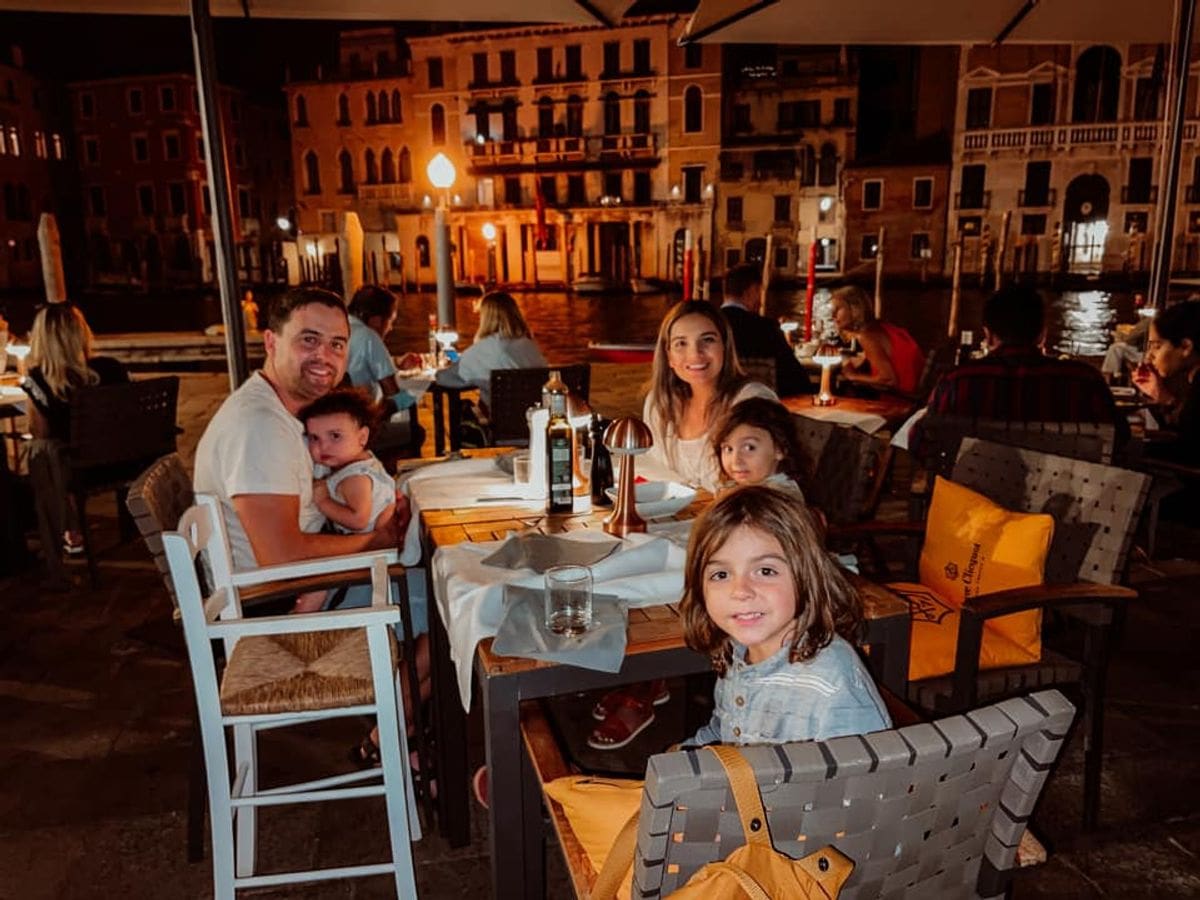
(587, 152)
(144, 181)
(33, 161)
(1067, 139)
(790, 117)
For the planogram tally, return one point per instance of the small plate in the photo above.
(659, 498)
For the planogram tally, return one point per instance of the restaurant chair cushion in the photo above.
(973, 547)
(305, 671)
(597, 809)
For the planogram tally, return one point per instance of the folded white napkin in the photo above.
(868, 422)
(646, 570)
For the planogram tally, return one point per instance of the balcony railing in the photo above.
(561, 149)
(395, 193)
(1139, 194)
(973, 200)
(1037, 199)
(1061, 137)
(492, 84)
(627, 74)
(559, 78)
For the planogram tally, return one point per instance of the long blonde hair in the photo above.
(499, 314)
(669, 392)
(60, 344)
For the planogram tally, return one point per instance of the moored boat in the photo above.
(620, 353)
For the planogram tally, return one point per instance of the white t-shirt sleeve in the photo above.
(252, 468)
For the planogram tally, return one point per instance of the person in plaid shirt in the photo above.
(1016, 381)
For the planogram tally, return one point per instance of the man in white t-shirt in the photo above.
(253, 455)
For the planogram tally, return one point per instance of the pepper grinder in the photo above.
(602, 467)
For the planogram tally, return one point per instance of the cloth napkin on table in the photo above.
(523, 632)
(645, 570)
(531, 550)
(868, 422)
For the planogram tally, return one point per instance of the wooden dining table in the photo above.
(891, 408)
(655, 649)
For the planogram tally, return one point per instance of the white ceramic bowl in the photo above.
(655, 499)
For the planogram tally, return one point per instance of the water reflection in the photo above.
(1088, 318)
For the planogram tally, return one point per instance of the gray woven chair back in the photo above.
(941, 437)
(931, 810)
(515, 390)
(843, 466)
(760, 369)
(156, 500)
(1095, 507)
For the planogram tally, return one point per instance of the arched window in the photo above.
(437, 124)
(372, 172)
(575, 116)
(641, 112)
(343, 110)
(301, 110)
(312, 173)
(384, 114)
(545, 117)
(405, 166)
(346, 167)
(693, 109)
(387, 166)
(808, 165)
(827, 165)
(1097, 85)
(371, 117)
(397, 114)
(423, 252)
(612, 113)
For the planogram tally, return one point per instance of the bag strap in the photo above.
(746, 795)
(618, 862)
(745, 880)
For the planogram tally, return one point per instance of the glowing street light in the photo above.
(489, 234)
(441, 172)
(489, 231)
(441, 175)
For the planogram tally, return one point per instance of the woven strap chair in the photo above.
(929, 810)
(847, 469)
(515, 390)
(761, 369)
(284, 671)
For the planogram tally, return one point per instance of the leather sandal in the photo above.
(610, 701)
(623, 724)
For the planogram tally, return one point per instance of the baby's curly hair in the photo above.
(354, 402)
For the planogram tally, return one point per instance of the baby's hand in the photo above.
(320, 490)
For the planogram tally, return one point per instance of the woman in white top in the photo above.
(696, 378)
(502, 342)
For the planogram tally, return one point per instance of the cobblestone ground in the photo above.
(95, 697)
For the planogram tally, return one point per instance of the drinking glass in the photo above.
(568, 599)
(521, 467)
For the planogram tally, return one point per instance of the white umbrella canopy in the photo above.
(567, 11)
(931, 21)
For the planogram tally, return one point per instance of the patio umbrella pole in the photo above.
(218, 185)
(1164, 244)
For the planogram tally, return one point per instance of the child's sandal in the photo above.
(613, 699)
(623, 724)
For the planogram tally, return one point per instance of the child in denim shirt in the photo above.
(765, 601)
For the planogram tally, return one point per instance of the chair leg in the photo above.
(245, 756)
(196, 800)
(413, 700)
(1096, 642)
(397, 776)
(216, 765)
(85, 531)
(127, 527)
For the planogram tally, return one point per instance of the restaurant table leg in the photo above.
(455, 405)
(439, 430)
(889, 638)
(514, 819)
(450, 724)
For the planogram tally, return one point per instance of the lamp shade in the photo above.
(628, 434)
(827, 355)
(441, 172)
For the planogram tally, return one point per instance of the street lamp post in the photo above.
(441, 175)
(489, 235)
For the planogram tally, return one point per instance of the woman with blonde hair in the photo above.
(60, 363)
(890, 357)
(502, 341)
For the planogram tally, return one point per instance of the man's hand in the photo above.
(320, 491)
(409, 361)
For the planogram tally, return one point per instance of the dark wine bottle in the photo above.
(560, 467)
(602, 467)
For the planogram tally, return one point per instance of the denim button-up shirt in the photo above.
(776, 701)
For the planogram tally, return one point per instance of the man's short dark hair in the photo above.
(297, 298)
(741, 278)
(371, 300)
(1015, 315)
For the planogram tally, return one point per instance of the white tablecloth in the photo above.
(13, 396)
(469, 596)
(868, 422)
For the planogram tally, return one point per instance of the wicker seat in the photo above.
(929, 810)
(286, 671)
(515, 390)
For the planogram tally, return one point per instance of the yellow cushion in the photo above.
(597, 809)
(972, 547)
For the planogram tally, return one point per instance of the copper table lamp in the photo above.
(626, 437)
(827, 356)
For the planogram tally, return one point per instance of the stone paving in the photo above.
(96, 704)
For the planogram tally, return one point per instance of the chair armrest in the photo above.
(1001, 603)
(318, 566)
(337, 620)
(285, 587)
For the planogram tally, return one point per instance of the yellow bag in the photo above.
(756, 870)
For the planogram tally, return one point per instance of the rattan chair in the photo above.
(930, 810)
(1096, 509)
(515, 390)
(284, 671)
(156, 500)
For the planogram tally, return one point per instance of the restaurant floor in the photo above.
(96, 705)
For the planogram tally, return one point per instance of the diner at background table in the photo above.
(1168, 378)
(889, 358)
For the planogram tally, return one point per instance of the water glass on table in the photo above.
(568, 599)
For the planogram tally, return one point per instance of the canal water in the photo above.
(1079, 321)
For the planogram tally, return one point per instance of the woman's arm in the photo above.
(877, 350)
(354, 512)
